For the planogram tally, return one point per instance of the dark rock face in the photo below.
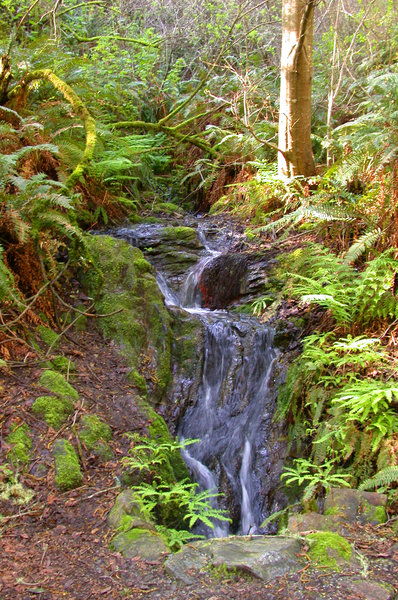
(223, 280)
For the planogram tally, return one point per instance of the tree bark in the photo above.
(295, 93)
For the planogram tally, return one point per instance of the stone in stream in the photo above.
(264, 557)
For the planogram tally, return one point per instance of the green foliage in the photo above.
(176, 505)
(314, 478)
(320, 277)
(331, 396)
(382, 479)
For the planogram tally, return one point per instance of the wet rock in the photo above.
(366, 590)
(342, 506)
(223, 280)
(263, 557)
(312, 521)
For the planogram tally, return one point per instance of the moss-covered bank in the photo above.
(124, 287)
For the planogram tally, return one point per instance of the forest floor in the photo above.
(58, 545)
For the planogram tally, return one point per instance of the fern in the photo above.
(363, 243)
(383, 478)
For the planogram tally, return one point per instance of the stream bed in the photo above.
(225, 393)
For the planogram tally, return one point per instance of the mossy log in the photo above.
(78, 106)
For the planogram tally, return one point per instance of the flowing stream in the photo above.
(230, 408)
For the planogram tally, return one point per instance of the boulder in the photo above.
(264, 557)
(127, 513)
(140, 542)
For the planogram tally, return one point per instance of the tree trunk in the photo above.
(295, 94)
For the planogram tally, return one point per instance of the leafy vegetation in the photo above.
(176, 506)
(98, 105)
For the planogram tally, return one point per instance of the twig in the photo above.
(114, 487)
(23, 514)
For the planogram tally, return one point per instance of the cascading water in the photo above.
(231, 408)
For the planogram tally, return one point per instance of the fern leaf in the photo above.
(365, 241)
(385, 477)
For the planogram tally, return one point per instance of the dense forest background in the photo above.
(118, 110)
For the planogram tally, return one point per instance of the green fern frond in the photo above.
(363, 243)
(385, 477)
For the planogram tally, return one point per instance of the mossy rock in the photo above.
(167, 207)
(20, 442)
(139, 382)
(186, 234)
(48, 336)
(95, 434)
(56, 383)
(123, 282)
(68, 474)
(126, 513)
(140, 542)
(53, 409)
(329, 550)
(63, 364)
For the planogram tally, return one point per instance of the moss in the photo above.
(63, 364)
(141, 326)
(21, 443)
(57, 384)
(94, 434)
(187, 234)
(48, 336)
(53, 409)
(168, 207)
(139, 382)
(373, 514)
(142, 265)
(328, 550)
(68, 474)
(333, 510)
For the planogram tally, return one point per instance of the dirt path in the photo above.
(58, 545)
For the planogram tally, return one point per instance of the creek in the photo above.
(224, 393)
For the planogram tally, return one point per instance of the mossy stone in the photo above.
(21, 443)
(68, 474)
(53, 409)
(140, 542)
(123, 282)
(48, 336)
(372, 514)
(57, 384)
(139, 382)
(329, 550)
(63, 364)
(187, 234)
(95, 434)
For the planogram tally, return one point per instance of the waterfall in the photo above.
(230, 408)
